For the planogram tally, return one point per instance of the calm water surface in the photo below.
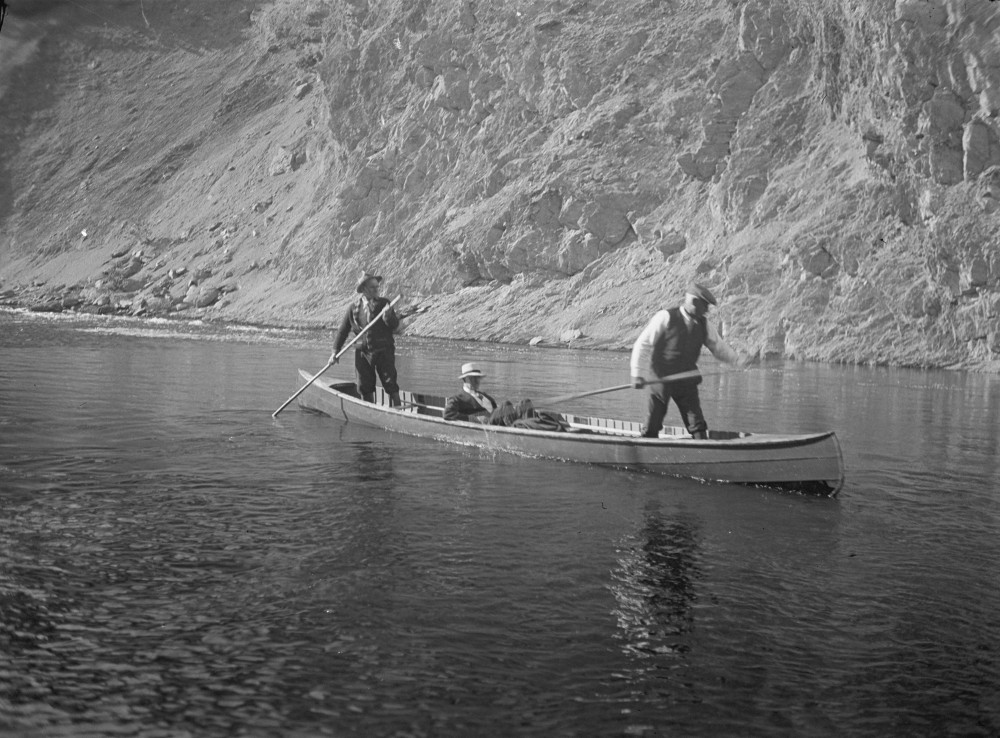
(174, 562)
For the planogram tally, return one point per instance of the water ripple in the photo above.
(174, 562)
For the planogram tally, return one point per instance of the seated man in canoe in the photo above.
(475, 405)
(470, 403)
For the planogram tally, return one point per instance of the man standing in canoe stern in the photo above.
(375, 351)
(670, 344)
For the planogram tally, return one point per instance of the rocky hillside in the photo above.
(552, 170)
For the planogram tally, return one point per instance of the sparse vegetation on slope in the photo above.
(549, 170)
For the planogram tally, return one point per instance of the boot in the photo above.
(368, 397)
(394, 400)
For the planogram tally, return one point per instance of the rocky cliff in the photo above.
(553, 170)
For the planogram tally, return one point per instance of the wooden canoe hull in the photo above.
(812, 461)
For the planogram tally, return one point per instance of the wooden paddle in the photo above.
(616, 388)
(334, 359)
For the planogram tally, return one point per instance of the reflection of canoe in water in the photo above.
(810, 462)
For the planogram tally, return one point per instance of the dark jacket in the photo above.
(463, 405)
(378, 337)
(678, 348)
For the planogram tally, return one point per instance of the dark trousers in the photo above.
(685, 396)
(369, 363)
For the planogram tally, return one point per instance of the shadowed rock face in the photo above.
(519, 171)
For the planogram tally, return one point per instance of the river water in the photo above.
(175, 562)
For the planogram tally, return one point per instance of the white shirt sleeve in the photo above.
(642, 350)
(719, 348)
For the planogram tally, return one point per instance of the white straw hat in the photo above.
(471, 370)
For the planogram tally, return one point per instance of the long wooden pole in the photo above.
(334, 359)
(616, 388)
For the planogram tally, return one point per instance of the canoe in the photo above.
(809, 462)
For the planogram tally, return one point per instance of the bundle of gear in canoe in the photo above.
(524, 415)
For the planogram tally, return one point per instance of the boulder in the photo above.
(207, 296)
(980, 146)
(281, 162)
(670, 242)
(451, 90)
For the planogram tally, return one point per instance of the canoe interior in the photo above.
(418, 403)
(810, 463)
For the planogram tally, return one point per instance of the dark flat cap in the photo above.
(702, 293)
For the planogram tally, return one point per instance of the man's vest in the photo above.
(677, 349)
(379, 336)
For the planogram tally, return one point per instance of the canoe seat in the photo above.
(422, 404)
(413, 402)
(430, 405)
(348, 388)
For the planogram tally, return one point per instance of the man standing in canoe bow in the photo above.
(670, 344)
(375, 351)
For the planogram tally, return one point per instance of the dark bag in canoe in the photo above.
(504, 414)
(543, 420)
(525, 416)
